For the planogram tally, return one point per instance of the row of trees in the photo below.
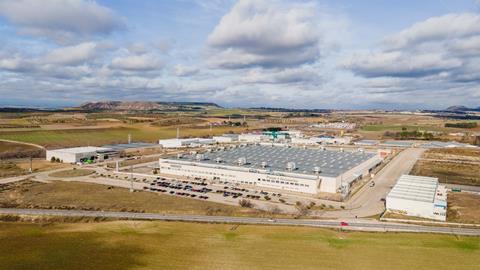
(462, 125)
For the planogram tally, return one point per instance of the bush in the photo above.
(267, 198)
(245, 203)
(53, 159)
(281, 200)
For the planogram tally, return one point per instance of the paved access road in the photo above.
(367, 201)
(357, 225)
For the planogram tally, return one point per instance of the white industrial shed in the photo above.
(418, 196)
(76, 154)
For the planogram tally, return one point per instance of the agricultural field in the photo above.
(453, 166)
(103, 136)
(375, 126)
(172, 245)
(87, 196)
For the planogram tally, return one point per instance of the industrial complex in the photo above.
(278, 167)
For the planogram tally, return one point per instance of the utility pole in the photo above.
(178, 132)
(131, 178)
(30, 170)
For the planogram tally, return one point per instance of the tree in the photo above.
(53, 159)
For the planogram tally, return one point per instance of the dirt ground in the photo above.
(453, 166)
(86, 196)
(463, 207)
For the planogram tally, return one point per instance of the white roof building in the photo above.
(418, 196)
(76, 154)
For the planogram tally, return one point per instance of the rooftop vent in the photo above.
(218, 160)
(264, 164)
(200, 157)
(316, 170)
(179, 156)
(242, 161)
(291, 166)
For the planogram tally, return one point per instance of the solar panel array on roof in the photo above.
(415, 188)
(330, 163)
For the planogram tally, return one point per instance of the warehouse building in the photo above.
(190, 142)
(80, 154)
(226, 138)
(277, 167)
(418, 196)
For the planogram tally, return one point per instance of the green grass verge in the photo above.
(173, 245)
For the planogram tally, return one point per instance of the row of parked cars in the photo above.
(160, 185)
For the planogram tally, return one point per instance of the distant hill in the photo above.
(460, 108)
(144, 105)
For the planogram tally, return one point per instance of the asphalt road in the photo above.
(367, 201)
(357, 225)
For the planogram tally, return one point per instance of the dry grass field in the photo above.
(10, 150)
(454, 166)
(463, 207)
(172, 245)
(72, 173)
(86, 196)
(20, 167)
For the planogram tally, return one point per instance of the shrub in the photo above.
(245, 203)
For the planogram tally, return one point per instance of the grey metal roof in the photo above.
(330, 163)
(415, 188)
(398, 143)
(123, 146)
(367, 142)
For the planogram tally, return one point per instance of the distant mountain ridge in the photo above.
(143, 105)
(460, 108)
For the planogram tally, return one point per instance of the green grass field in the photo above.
(172, 245)
(78, 137)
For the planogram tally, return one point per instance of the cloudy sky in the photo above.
(298, 54)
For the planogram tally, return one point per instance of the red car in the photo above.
(343, 223)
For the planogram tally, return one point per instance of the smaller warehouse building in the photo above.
(79, 154)
(418, 196)
(190, 142)
(226, 138)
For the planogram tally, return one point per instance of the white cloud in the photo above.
(436, 28)
(446, 47)
(144, 62)
(266, 34)
(61, 20)
(72, 55)
(401, 64)
(182, 70)
(302, 75)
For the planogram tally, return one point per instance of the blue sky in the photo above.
(278, 53)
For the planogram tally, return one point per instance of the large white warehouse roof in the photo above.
(415, 188)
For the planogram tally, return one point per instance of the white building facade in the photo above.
(73, 155)
(418, 196)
